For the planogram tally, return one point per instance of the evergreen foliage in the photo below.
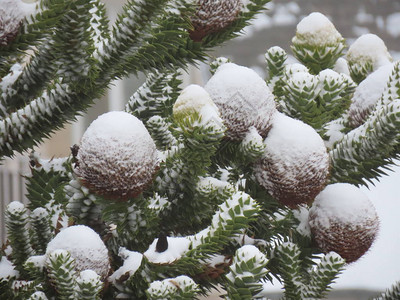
(392, 293)
(205, 220)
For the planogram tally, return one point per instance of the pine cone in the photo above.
(295, 165)
(243, 100)
(342, 219)
(117, 157)
(10, 21)
(85, 247)
(12, 12)
(212, 16)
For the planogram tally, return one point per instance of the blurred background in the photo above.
(379, 268)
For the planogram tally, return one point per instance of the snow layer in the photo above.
(88, 277)
(341, 66)
(177, 247)
(248, 252)
(301, 214)
(291, 139)
(192, 99)
(316, 30)
(39, 261)
(7, 269)
(113, 126)
(85, 246)
(243, 255)
(15, 207)
(132, 262)
(369, 48)
(368, 93)
(243, 99)
(342, 203)
(38, 296)
(170, 285)
(334, 131)
(8, 80)
(234, 206)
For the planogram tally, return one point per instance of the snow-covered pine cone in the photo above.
(342, 219)
(243, 99)
(10, 21)
(212, 16)
(117, 157)
(295, 165)
(85, 247)
(12, 13)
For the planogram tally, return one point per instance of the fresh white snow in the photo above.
(342, 203)
(177, 247)
(369, 91)
(243, 98)
(88, 277)
(291, 140)
(317, 30)
(171, 285)
(301, 214)
(369, 48)
(192, 100)
(7, 269)
(39, 261)
(85, 246)
(115, 125)
(132, 262)
(15, 207)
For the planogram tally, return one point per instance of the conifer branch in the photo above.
(360, 156)
(88, 285)
(17, 226)
(323, 275)
(246, 272)
(288, 255)
(159, 131)
(41, 231)
(181, 287)
(61, 268)
(156, 96)
(392, 293)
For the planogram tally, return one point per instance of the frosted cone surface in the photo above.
(295, 165)
(117, 156)
(342, 219)
(85, 247)
(243, 99)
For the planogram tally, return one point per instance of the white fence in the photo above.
(12, 187)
